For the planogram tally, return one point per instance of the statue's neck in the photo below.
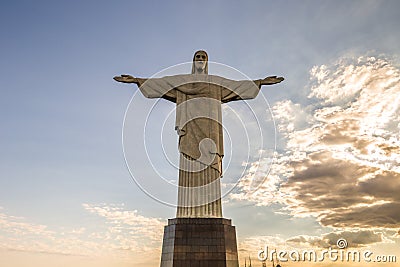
(200, 71)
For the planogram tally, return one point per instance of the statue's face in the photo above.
(200, 61)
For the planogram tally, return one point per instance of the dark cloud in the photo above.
(314, 241)
(384, 215)
(385, 186)
(354, 239)
(332, 189)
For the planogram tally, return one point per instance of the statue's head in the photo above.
(200, 62)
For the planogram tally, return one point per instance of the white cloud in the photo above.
(117, 233)
(291, 116)
(128, 229)
(341, 160)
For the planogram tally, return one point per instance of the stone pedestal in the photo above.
(199, 242)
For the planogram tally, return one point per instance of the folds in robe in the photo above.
(198, 113)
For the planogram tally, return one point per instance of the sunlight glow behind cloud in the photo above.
(342, 152)
(119, 234)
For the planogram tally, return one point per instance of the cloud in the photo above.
(250, 245)
(340, 159)
(16, 225)
(127, 229)
(19, 235)
(117, 233)
(354, 239)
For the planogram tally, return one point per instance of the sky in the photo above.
(328, 167)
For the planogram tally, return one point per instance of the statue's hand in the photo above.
(125, 79)
(271, 80)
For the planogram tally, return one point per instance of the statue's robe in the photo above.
(199, 125)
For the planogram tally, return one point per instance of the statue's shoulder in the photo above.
(173, 80)
(193, 78)
(178, 76)
(219, 80)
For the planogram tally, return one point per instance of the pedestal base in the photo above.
(199, 242)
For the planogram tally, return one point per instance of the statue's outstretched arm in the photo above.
(152, 87)
(124, 78)
(270, 80)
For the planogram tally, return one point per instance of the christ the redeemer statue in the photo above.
(199, 97)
